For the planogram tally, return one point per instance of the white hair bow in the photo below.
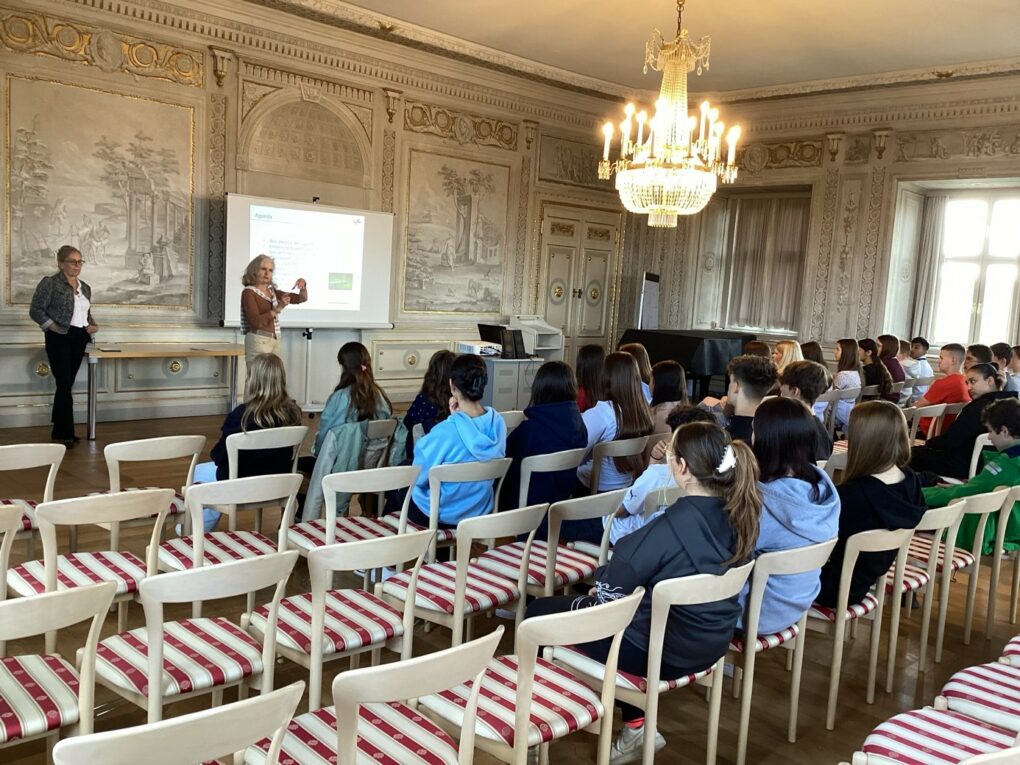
(728, 461)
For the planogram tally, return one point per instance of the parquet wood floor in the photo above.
(683, 714)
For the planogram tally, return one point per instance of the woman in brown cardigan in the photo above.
(261, 304)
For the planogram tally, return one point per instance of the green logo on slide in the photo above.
(341, 282)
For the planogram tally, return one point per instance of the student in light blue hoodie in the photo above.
(800, 505)
(472, 433)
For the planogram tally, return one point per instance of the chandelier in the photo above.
(669, 165)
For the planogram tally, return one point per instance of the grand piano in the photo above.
(703, 353)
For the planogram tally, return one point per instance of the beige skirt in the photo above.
(255, 344)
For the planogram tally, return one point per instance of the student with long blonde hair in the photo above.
(785, 352)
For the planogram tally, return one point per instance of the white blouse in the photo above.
(80, 315)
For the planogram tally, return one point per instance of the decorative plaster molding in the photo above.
(459, 126)
(389, 156)
(217, 202)
(221, 60)
(1002, 142)
(774, 156)
(307, 83)
(392, 103)
(847, 243)
(521, 262)
(824, 253)
(874, 222)
(562, 160)
(858, 149)
(530, 130)
(251, 94)
(23, 31)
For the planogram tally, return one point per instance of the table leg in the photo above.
(91, 407)
(233, 383)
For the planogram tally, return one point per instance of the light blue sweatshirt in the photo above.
(791, 518)
(459, 438)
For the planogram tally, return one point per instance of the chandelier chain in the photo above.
(679, 16)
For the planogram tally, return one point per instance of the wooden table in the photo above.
(156, 351)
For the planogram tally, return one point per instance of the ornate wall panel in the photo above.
(825, 241)
(217, 202)
(460, 126)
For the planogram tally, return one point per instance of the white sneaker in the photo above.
(627, 746)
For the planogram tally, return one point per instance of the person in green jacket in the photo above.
(1001, 468)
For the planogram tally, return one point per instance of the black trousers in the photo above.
(65, 353)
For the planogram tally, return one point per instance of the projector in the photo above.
(479, 347)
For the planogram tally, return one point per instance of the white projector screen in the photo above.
(344, 256)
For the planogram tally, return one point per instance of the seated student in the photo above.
(888, 351)
(707, 531)
(751, 379)
(553, 424)
(977, 354)
(812, 351)
(951, 388)
(669, 388)
(1013, 369)
(784, 352)
(1001, 468)
(432, 404)
(644, 367)
(877, 491)
(875, 372)
(800, 506)
(591, 373)
(1002, 353)
(848, 375)
(949, 453)
(919, 353)
(657, 476)
(806, 381)
(909, 370)
(756, 348)
(472, 433)
(266, 405)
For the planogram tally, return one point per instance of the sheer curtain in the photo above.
(933, 217)
(748, 257)
(790, 239)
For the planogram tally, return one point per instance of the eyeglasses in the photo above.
(74, 262)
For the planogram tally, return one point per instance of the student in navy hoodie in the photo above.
(800, 506)
(553, 424)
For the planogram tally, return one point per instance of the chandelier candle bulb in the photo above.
(607, 131)
(731, 139)
(642, 117)
(704, 118)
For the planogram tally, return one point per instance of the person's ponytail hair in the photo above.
(728, 470)
(356, 374)
(468, 375)
(885, 381)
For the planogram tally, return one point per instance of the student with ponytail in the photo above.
(356, 397)
(713, 527)
(875, 372)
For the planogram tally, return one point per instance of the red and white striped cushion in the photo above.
(1011, 652)
(354, 619)
(920, 550)
(572, 566)
(483, 591)
(388, 734)
(79, 569)
(443, 536)
(197, 654)
(220, 547)
(560, 703)
(930, 737)
(855, 611)
(765, 642)
(176, 504)
(989, 692)
(37, 694)
(312, 534)
(586, 665)
(914, 578)
(27, 511)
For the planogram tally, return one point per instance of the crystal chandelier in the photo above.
(669, 165)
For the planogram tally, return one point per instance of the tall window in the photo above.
(977, 277)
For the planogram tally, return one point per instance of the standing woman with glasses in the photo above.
(261, 305)
(61, 307)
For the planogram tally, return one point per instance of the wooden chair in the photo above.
(554, 462)
(451, 592)
(981, 443)
(951, 410)
(512, 418)
(1001, 524)
(800, 560)
(288, 437)
(915, 414)
(27, 457)
(527, 700)
(654, 501)
(833, 621)
(165, 662)
(196, 737)
(379, 439)
(922, 382)
(986, 692)
(867, 391)
(417, 432)
(43, 694)
(375, 716)
(625, 447)
(125, 569)
(151, 450)
(837, 461)
(328, 624)
(834, 397)
(897, 387)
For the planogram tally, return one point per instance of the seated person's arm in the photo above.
(985, 481)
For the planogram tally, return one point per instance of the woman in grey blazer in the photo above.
(61, 306)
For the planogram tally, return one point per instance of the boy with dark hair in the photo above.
(950, 389)
(977, 354)
(1003, 355)
(751, 380)
(1001, 468)
(806, 381)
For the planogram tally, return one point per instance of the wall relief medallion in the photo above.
(981, 143)
(462, 127)
(561, 160)
(858, 150)
(776, 156)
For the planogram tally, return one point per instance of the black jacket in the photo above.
(693, 536)
(868, 504)
(53, 302)
(548, 428)
(251, 462)
(958, 439)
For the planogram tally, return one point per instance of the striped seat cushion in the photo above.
(989, 692)
(589, 549)
(1011, 652)
(586, 665)
(354, 619)
(176, 504)
(920, 550)
(79, 569)
(197, 654)
(443, 536)
(855, 611)
(37, 694)
(312, 534)
(914, 578)
(483, 591)
(220, 547)
(388, 734)
(27, 509)
(930, 737)
(560, 703)
(571, 566)
(765, 642)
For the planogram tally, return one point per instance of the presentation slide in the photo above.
(343, 255)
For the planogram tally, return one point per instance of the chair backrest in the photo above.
(797, 560)
(365, 554)
(409, 679)
(922, 382)
(1003, 520)
(876, 540)
(512, 418)
(980, 444)
(624, 447)
(196, 737)
(984, 505)
(836, 461)
(417, 432)
(151, 450)
(10, 525)
(371, 481)
(464, 472)
(868, 390)
(377, 455)
(897, 387)
(938, 423)
(28, 456)
(662, 497)
(380, 428)
(578, 509)
(569, 459)
(1009, 756)
(844, 394)
(915, 413)
(269, 438)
